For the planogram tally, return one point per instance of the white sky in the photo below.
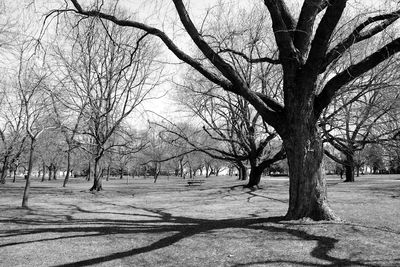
(29, 14)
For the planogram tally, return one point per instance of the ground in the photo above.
(218, 223)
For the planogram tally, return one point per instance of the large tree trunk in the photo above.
(349, 168)
(307, 190)
(255, 176)
(97, 179)
(68, 169)
(25, 198)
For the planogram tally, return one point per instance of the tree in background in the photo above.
(235, 131)
(32, 94)
(106, 71)
(12, 132)
(359, 117)
(306, 45)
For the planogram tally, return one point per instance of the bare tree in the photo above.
(31, 86)
(237, 131)
(362, 116)
(106, 73)
(12, 133)
(305, 49)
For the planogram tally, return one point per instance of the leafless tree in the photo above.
(12, 133)
(306, 47)
(105, 74)
(364, 115)
(35, 102)
(236, 130)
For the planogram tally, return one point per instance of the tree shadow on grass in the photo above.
(158, 221)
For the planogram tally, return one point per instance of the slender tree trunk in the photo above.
(89, 174)
(207, 171)
(50, 171)
(68, 169)
(55, 169)
(349, 168)
(181, 167)
(25, 198)
(4, 170)
(97, 179)
(242, 170)
(108, 172)
(307, 190)
(44, 171)
(14, 174)
(190, 171)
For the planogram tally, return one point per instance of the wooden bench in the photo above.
(195, 181)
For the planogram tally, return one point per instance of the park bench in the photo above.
(195, 181)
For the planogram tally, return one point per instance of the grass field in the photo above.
(215, 224)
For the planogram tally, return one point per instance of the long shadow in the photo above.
(252, 195)
(159, 221)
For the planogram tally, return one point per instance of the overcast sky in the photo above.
(28, 14)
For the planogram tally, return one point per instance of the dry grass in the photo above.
(216, 224)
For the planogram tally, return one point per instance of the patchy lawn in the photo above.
(215, 224)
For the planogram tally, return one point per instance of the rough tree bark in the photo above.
(307, 190)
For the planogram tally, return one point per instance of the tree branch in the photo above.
(352, 72)
(234, 83)
(211, 55)
(305, 24)
(358, 35)
(323, 34)
(156, 32)
(283, 26)
(251, 60)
